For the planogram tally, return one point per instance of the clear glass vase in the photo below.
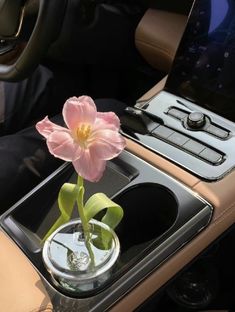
(81, 262)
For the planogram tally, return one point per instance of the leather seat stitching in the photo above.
(155, 46)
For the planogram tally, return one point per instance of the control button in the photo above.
(194, 147)
(162, 132)
(222, 134)
(178, 138)
(177, 113)
(196, 120)
(211, 155)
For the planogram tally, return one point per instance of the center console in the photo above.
(161, 215)
(191, 136)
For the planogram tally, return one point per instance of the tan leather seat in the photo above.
(158, 35)
(21, 289)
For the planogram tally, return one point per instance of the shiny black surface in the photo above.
(204, 67)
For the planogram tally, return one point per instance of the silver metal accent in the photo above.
(196, 120)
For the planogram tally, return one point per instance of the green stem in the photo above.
(85, 223)
(90, 251)
(80, 205)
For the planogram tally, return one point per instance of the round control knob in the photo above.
(196, 120)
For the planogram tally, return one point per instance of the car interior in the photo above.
(172, 64)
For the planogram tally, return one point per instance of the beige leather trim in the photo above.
(157, 37)
(161, 163)
(220, 194)
(153, 91)
(21, 289)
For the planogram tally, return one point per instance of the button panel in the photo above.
(178, 139)
(194, 147)
(216, 138)
(218, 132)
(212, 129)
(187, 144)
(162, 132)
(177, 113)
(211, 155)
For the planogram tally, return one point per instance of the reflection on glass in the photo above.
(80, 263)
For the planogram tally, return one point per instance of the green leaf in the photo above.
(99, 202)
(103, 240)
(66, 201)
(112, 217)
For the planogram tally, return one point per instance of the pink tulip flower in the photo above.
(90, 139)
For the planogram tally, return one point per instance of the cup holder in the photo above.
(150, 209)
(160, 216)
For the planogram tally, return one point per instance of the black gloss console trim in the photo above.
(145, 242)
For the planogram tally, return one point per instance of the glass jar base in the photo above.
(78, 261)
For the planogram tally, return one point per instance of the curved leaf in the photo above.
(66, 200)
(99, 202)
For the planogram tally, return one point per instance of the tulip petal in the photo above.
(45, 127)
(81, 110)
(107, 144)
(61, 145)
(109, 119)
(89, 168)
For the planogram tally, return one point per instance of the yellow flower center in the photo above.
(82, 134)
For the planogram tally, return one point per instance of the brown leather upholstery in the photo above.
(21, 289)
(157, 37)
